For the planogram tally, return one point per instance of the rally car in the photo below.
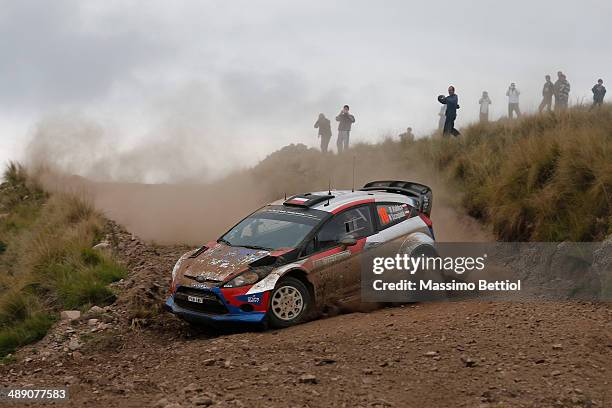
(292, 256)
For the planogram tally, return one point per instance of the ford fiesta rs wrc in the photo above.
(291, 257)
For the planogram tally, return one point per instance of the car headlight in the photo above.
(175, 269)
(245, 278)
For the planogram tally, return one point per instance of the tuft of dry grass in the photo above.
(48, 262)
(542, 178)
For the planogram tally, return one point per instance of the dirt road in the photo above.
(452, 354)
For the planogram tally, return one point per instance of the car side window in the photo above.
(355, 222)
(392, 213)
(309, 248)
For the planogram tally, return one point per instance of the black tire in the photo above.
(437, 276)
(285, 301)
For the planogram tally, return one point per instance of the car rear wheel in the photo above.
(416, 250)
(289, 303)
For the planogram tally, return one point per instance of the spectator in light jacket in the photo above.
(441, 118)
(513, 101)
(484, 103)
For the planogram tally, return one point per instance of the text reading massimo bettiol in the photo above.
(434, 274)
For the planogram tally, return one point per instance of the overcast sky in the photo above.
(220, 84)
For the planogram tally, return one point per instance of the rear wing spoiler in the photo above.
(420, 192)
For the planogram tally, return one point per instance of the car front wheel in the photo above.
(289, 303)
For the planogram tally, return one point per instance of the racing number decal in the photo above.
(383, 215)
(392, 213)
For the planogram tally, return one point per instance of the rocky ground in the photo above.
(451, 354)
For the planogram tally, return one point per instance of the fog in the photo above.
(162, 91)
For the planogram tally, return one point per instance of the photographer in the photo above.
(345, 120)
(452, 104)
(513, 95)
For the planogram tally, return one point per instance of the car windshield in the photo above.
(272, 228)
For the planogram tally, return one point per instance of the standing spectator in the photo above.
(513, 101)
(562, 90)
(452, 104)
(408, 136)
(484, 103)
(547, 94)
(442, 118)
(599, 91)
(345, 120)
(325, 133)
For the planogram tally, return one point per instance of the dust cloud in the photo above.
(78, 156)
(171, 152)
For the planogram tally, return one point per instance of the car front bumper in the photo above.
(235, 316)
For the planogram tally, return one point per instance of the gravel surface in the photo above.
(448, 354)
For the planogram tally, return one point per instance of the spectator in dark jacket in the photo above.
(325, 133)
(548, 90)
(599, 91)
(407, 136)
(452, 104)
(562, 90)
(345, 121)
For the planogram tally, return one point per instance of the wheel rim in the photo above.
(287, 303)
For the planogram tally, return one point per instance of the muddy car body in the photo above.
(291, 257)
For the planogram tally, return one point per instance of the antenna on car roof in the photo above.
(329, 195)
(353, 190)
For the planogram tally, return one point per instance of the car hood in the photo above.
(218, 262)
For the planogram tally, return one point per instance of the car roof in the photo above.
(346, 198)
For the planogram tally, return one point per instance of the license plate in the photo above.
(195, 299)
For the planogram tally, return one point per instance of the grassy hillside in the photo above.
(543, 178)
(46, 260)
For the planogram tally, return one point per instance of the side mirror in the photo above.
(348, 241)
